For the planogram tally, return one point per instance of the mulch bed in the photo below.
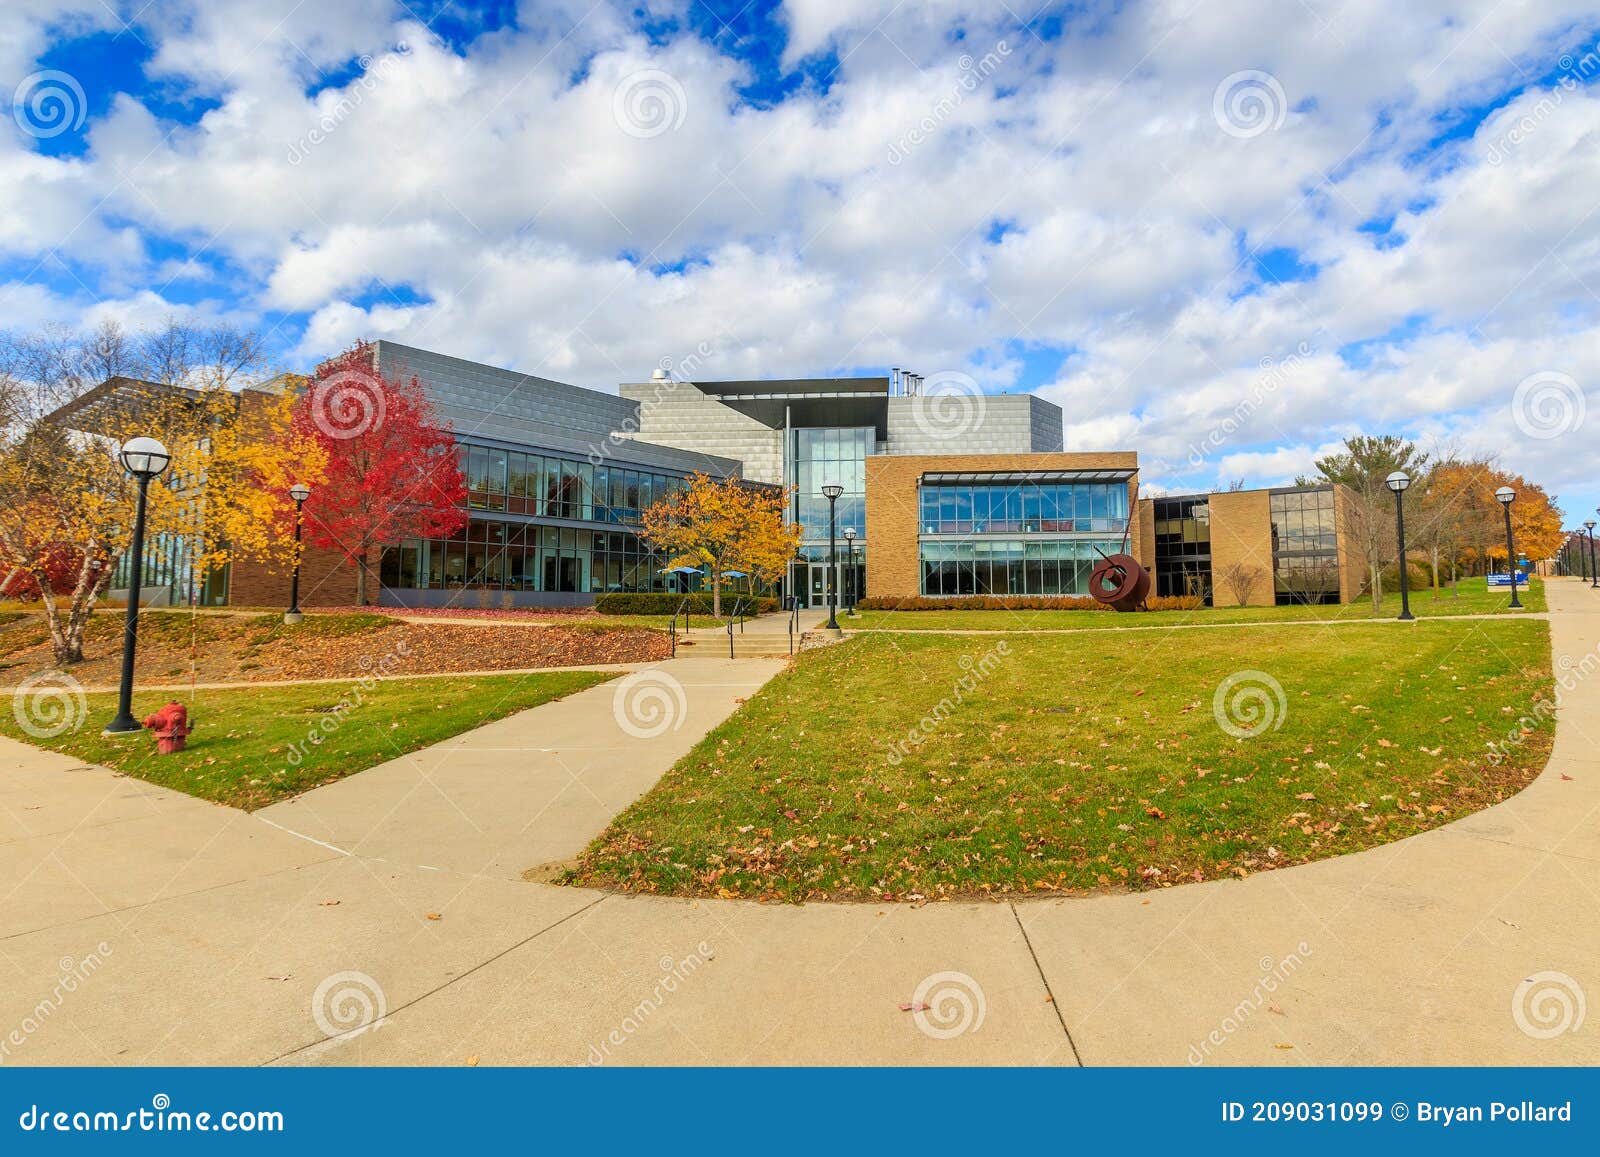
(178, 648)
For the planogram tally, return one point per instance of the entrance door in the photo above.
(819, 585)
(799, 582)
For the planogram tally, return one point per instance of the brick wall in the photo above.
(1241, 534)
(325, 581)
(1352, 570)
(1142, 542)
(893, 567)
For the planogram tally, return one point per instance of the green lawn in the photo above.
(869, 772)
(253, 746)
(1474, 598)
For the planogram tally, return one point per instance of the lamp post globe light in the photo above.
(1594, 579)
(1398, 481)
(1506, 496)
(831, 491)
(850, 560)
(145, 459)
(299, 492)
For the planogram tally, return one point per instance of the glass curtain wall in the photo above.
(1305, 547)
(1183, 547)
(1022, 539)
(831, 454)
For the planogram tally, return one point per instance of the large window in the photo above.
(1305, 547)
(999, 566)
(497, 555)
(546, 486)
(1026, 508)
(1183, 546)
(832, 454)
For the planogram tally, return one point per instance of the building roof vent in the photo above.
(659, 376)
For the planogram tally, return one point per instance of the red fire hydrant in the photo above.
(171, 727)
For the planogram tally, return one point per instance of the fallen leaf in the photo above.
(285, 976)
(329, 904)
(473, 1060)
(915, 1007)
(435, 916)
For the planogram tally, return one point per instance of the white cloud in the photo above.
(932, 209)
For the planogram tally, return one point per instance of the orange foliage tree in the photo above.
(724, 525)
(1463, 524)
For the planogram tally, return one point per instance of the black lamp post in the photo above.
(144, 458)
(1507, 496)
(1398, 481)
(1594, 573)
(299, 492)
(850, 558)
(831, 491)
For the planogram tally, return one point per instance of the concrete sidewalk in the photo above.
(216, 937)
(533, 789)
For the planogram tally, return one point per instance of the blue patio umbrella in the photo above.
(681, 570)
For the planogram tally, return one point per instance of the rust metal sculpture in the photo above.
(1118, 580)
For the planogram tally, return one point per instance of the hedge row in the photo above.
(666, 604)
(1019, 603)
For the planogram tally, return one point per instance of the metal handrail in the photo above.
(736, 613)
(672, 626)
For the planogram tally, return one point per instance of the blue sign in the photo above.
(1300, 1111)
(1504, 580)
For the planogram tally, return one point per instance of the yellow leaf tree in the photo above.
(723, 525)
(63, 492)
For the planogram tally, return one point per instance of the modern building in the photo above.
(1251, 547)
(945, 493)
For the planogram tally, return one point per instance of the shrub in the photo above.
(1018, 603)
(1419, 576)
(650, 603)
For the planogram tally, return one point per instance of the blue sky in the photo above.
(1224, 239)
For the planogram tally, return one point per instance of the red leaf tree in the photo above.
(392, 470)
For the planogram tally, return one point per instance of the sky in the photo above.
(1224, 235)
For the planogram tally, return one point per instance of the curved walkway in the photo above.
(204, 935)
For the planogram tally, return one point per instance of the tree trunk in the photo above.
(66, 635)
(1435, 572)
(716, 593)
(361, 574)
(1377, 584)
